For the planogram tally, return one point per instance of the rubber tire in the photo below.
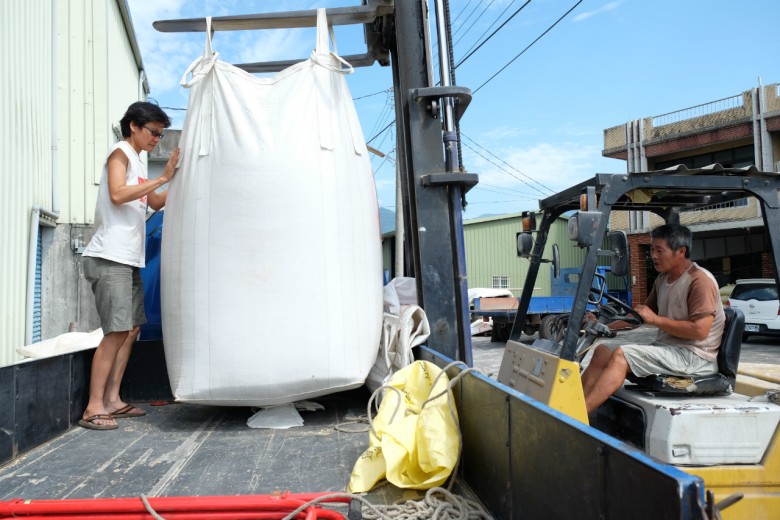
(500, 332)
(545, 326)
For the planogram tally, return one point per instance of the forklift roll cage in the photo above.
(666, 193)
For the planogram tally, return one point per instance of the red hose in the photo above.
(173, 508)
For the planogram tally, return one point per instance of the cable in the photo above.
(528, 47)
(503, 191)
(470, 52)
(510, 173)
(391, 123)
(433, 47)
(475, 22)
(515, 169)
(389, 89)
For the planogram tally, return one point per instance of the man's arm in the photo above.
(697, 329)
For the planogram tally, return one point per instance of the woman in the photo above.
(114, 256)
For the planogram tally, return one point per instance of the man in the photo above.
(684, 304)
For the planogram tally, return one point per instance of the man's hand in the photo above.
(649, 317)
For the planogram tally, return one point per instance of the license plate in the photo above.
(749, 327)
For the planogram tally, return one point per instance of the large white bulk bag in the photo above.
(271, 253)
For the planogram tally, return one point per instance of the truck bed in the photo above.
(181, 449)
(510, 447)
(194, 450)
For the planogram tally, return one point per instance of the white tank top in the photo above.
(120, 231)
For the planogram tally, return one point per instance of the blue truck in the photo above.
(547, 315)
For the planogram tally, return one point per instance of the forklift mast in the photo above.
(432, 183)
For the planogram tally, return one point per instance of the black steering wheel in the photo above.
(615, 310)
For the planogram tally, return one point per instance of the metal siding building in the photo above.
(491, 251)
(72, 67)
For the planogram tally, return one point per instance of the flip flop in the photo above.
(128, 411)
(90, 424)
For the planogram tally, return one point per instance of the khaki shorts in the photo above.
(660, 358)
(119, 293)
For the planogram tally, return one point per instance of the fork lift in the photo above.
(520, 457)
(732, 441)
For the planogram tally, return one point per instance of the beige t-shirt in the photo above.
(692, 296)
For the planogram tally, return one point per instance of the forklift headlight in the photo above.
(525, 244)
(582, 227)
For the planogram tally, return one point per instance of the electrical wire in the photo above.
(512, 174)
(528, 47)
(503, 161)
(471, 52)
(389, 89)
(485, 10)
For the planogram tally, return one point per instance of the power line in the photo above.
(433, 47)
(485, 10)
(391, 123)
(470, 52)
(504, 191)
(508, 172)
(528, 47)
(374, 94)
(503, 161)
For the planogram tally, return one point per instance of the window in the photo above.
(500, 282)
(755, 291)
(733, 158)
(731, 204)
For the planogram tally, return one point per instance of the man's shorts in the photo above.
(119, 293)
(660, 358)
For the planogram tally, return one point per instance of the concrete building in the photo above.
(72, 68)
(738, 131)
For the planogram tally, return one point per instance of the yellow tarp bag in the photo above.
(414, 444)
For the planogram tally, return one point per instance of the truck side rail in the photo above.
(526, 460)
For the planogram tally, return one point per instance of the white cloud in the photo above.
(504, 132)
(611, 6)
(544, 168)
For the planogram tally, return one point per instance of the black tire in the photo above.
(745, 336)
(500, 332)
(546, 326)
(559, 326)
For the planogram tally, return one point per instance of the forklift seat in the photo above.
(720, 383)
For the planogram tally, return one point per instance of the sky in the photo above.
(543, 92)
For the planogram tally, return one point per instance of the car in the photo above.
(757, 299)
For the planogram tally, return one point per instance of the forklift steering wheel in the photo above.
(615, 310)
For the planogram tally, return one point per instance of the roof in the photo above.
(127, 20)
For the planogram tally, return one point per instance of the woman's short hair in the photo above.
(142, 112)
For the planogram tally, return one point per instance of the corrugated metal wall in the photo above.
(491, 250)
(25, 137)
(97, 76)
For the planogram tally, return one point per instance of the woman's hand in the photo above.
(170, 167)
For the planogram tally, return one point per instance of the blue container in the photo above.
(152, 330)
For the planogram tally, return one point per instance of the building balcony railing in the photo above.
(714, 114)
(701, 111)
